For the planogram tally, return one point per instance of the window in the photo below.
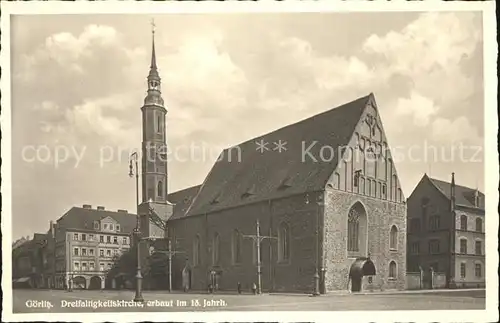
(215, 249)
(76, 266)
(160, 189)
(462, 270)
(384, 191)
(196, 251)
(108, 253)
(415, 248)
(75, 236)
(479, 225)
(101, 252)
(478, 270)
(84, 237)
(84, 266)
(96, 225)
(394, 186)
(393, 243)
(91, 266)
(124, 240)
(101, 238)
(158, 124)
(434, 246)
(115, 252)
(75, 251)
(111, 227)
(392, 270)
(434, 222)
(362, 185)
(353, 230)
(463, 222)
(101, 266)
(400, 195)
(415, 225)
(91, 252)
(84, 252)
(118, 227)
(115, 240)
(108, 239)
(91, 237)
(479, 249)
(105, 226)
(374, 188)
(284, 242)
(463, 246)
(236, 247)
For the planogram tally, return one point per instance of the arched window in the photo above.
(463, 222)
(393, 272)
(160, 189)
(479, 225)
(393, 243)
(196, 251)
(215, 249)
(284, 242)
(236, 247)
(394, 187)
(357, 236)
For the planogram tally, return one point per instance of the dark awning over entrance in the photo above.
(362, 267)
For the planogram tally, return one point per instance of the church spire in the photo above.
(153, 72)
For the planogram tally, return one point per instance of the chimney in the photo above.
(122, 211)
(52, 229)
(87, 206)
(100, 208)
(452, 193)
(476, 198)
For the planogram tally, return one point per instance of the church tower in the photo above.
(154, 143)
(155, 209)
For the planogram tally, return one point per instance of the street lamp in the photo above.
(138, 286)
(316, 277)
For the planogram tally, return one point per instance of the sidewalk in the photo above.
(386, 292)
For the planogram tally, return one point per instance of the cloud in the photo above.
(456, 130)
(418, 107)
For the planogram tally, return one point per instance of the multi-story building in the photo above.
(446, 231)
(29, 263)
(87, 243)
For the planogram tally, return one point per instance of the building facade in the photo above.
(446, 231)
(88, 241)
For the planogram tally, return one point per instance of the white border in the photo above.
(132, 7)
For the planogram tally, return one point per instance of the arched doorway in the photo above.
(79, 282)
(361, 267)
(95, 282)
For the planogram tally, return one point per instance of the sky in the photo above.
(78, 82)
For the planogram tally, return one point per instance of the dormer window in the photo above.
(111, 227)
(105, 226)
(118, 228)
(96, 225)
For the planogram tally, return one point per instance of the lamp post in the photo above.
(138, 286)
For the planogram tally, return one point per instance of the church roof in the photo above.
(251, 172)
(182, 200)
(80, 218)
(463, 195)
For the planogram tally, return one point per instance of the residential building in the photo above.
(446, 231)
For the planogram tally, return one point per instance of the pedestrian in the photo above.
(239, 288)
(254, 289)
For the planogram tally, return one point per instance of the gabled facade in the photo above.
(446, 231)
(302, 198)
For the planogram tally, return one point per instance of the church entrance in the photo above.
(361, 267)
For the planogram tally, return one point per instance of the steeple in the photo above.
(154, 81)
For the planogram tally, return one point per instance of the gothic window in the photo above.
(479, 225)
(236, 247)
(215, 249)
(393, 243)
(392, 270)
(353, 230)
(160, 189)
(394, 186)
(370, 160)
(463, 222)
(284, 242)
(361, 185)
(196, 251)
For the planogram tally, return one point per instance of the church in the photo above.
(323, 213)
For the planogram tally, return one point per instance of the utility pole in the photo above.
(170, 253)
(258, 239)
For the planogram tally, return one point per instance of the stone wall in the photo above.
(381, 216)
